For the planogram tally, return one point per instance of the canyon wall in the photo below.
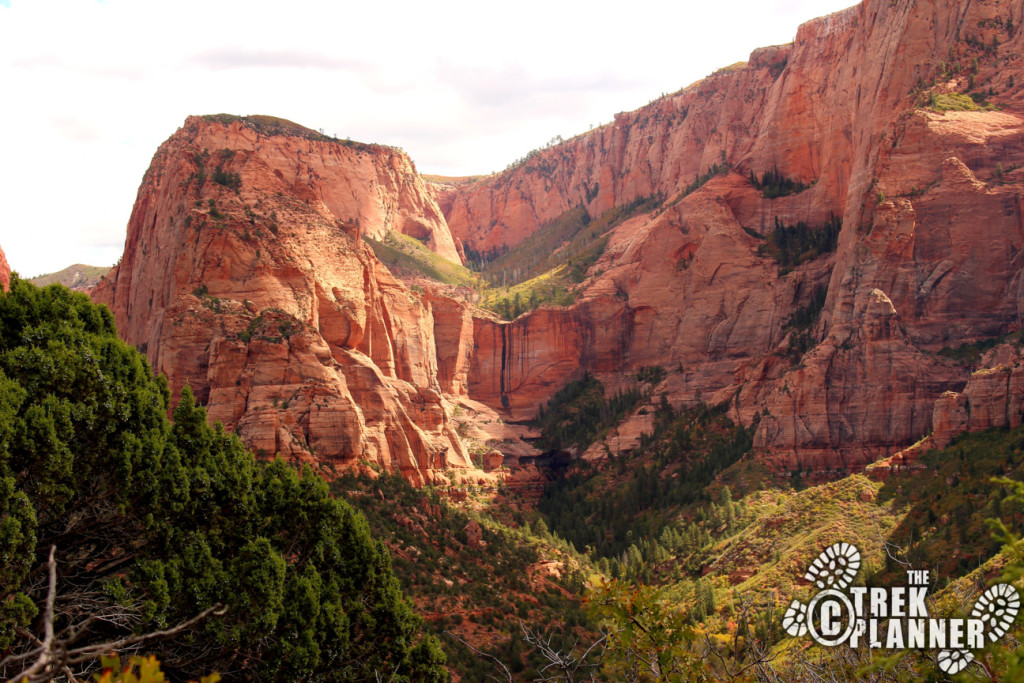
(245, 274)
(929, 254)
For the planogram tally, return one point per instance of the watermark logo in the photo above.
(894, 618)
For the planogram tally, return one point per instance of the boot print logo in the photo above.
(894, 618)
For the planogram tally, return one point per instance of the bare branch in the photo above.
(759, 660)
(46, 649)
(88, 652)
(486, 655)
(54, 653)
(889, 550)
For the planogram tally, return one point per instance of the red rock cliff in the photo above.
(929, 253)
(5, 271)
(244, 275)
(267, 302)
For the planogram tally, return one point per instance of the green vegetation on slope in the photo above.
(579, 413)
(800, 324)
(574, 238)
(553, 288)
(955, 101)
(405, 254)
(702, 179)
(680, 516)
(610, 506)
(727, 540)
(545, 267)
(805, 317)
(481, 592)
(970, 354)
(773, 183)
(794, 245)
(947, 504)
(153, 522)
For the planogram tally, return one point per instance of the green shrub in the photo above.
(773, 183)
(793, 245)
(227, 179)
(953, 101)
(805, 317)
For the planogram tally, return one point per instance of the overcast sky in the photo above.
(92, 87)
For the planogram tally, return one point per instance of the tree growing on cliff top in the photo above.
(154, 522)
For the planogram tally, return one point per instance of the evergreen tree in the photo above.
(634, 561)
(155, 522)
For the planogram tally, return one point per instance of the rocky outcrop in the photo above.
(862, 393)
(252, 285)
(993, 397)
(5, 271)
(757, 117)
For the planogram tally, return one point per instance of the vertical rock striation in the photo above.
(929, 254)
(244, 275)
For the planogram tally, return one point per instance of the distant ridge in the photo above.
(79, 277)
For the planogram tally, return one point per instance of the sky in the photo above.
(92, 87)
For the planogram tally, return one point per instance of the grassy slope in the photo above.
(542, 270)
(546, 267)
(572, 238)
(553, 288)
(935, 516)
(407, 255)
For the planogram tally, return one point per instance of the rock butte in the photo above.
(282, 320)
(278, 316)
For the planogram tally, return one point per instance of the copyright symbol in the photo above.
(825, 618)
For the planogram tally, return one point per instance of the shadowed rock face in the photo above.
(283, 321)
(267, 302)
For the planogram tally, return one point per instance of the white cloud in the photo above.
(251, 57)
(91, 88)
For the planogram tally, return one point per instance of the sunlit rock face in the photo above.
(928, 257)
(258, 292)
(267, 302)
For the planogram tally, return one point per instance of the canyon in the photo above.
(247, 272)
